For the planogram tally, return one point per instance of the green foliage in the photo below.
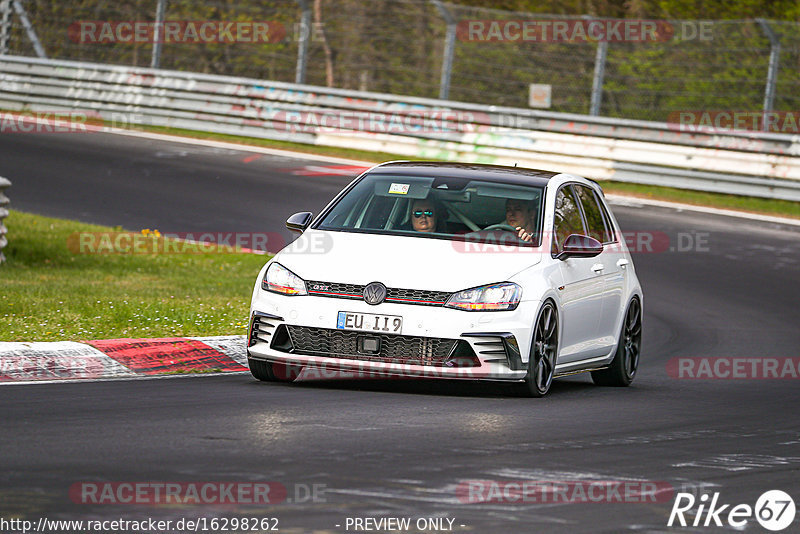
(397, 46)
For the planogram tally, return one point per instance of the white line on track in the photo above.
(617, 199)
(239, 147)
(121, 378)
(623, 200)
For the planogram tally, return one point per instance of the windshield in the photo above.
(439, 207)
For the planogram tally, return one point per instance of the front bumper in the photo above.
(500, 341)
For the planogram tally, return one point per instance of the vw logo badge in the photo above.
(374, 293)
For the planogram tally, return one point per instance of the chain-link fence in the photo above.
(400, 47)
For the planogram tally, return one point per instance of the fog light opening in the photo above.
(462, 355)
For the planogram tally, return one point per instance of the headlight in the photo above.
(279, 279)
(495, 297)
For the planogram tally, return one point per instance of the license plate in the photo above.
(370, 322)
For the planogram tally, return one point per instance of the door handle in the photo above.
(622, 263)
(598, 267)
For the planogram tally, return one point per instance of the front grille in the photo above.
(332, 343)
(331, 289)
(417, 296)
(355, 291)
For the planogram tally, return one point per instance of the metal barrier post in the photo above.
(23, 17)
(4, 184)
(155, 61)
(5, 25)
(772, 72)
(449, 46)
(599, 74)
(302, 47)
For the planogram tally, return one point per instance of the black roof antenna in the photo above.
(515, 164)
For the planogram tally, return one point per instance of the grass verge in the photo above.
(51, 293)
(765, 206)
(781, 208)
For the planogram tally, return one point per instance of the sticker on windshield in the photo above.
(399, 189)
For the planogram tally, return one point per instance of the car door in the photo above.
(582, 289)
(608, 262)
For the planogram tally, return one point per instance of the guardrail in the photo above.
(756, 164)
(4, 184)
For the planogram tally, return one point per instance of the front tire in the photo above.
(261, 370)
(544, 351)
(623, 368)
(271, 372)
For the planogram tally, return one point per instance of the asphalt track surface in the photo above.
(401, 448)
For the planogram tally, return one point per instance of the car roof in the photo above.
(470, 171)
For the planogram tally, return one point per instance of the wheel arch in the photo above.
(547, 297)
(623, 312)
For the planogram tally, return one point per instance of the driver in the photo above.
(424, 215)
(521, 217)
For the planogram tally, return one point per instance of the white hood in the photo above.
(402, 262)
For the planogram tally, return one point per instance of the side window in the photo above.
(612, 235)
(594, 217)
(567, 218)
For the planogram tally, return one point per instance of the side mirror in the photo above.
(580, 246)
(299, 221)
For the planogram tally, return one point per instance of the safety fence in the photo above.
(615, 67)
(4, 184)
(735, 162)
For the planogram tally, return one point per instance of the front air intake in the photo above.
(262, 327)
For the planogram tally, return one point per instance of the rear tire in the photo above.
(623, 368)
(272, 372)
(544, 351)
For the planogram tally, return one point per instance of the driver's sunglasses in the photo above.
(420, 213)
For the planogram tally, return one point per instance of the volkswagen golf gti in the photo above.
(452, 271)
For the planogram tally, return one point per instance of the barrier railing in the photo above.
(745, 163)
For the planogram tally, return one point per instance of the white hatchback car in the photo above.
(464, 271)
